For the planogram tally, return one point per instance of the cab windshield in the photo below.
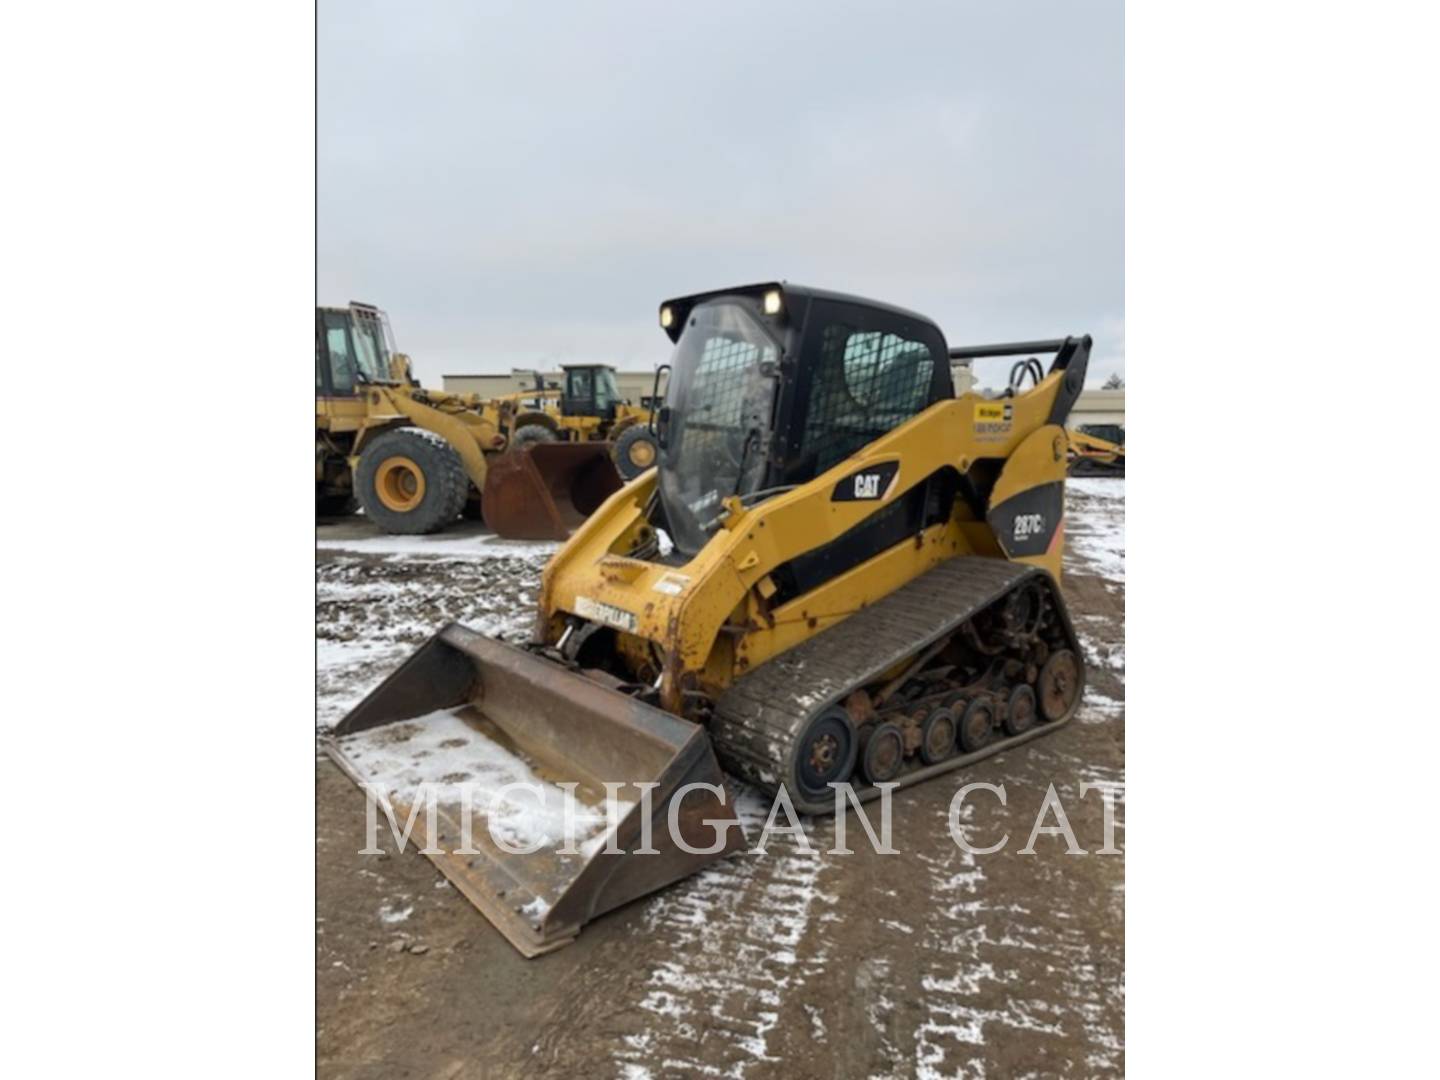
(357, 350)
(721, 395)
(371, 354)
(607, 394)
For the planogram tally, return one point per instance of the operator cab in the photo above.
(589, 390)
(772, 385)
(353, 346)
(1114, 433)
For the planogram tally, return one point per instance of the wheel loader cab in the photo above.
(353, 346)
(589, 390)
(772, 385)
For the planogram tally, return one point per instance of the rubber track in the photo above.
(757, 722)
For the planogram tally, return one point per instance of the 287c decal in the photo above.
(1028, 525)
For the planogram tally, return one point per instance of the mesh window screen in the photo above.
(721, 380)
(867, 383)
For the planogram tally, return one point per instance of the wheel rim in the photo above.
(884, 754)
(938, 737)
(1059, 683)
(977, 726)
(1020, 711)
(400, 483)
(642, 453)
(1022, 610)
(827, 754)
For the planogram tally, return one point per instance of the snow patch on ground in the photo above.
(1098, 708)
(390, 915)
(1095, 529)
(371, 614)
(458, 761)
(735, 936)
(1098, 653)
(441, 544)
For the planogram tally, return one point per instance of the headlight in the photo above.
(772, 302)
(667, 317)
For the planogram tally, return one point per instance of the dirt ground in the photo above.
(931, 962)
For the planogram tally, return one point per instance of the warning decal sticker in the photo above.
(993, 420)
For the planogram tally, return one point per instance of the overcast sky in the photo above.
(520, 184)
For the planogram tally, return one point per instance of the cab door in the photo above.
(337, 404)
(579, 396)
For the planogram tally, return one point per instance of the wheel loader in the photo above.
(418, 459)
(838, 573)
(588, 407)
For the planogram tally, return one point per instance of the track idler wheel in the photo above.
(826, 753)
(1059, 685)
(977, 726)
(1020, 614)
(937, 736)
(1020, 711)
(884, 754)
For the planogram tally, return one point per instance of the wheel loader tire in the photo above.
(411, 481)
(635, 451)
(531, 434)
(336, 505)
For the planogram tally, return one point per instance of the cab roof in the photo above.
(682, 305)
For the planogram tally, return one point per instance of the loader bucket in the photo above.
(469, 715)
(543, 491)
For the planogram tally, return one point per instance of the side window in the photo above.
(607, 393)
(580, 384)
(342, 363)
(866, 383)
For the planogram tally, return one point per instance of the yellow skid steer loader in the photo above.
(838, 573)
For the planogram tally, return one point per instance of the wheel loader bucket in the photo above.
(514, 752)
(543, 491)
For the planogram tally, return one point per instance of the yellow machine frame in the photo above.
(712, 618)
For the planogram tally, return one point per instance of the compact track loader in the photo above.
(1097, 452)
(838, 572)
(417, 459)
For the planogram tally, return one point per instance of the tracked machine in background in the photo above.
(1097, 450)
(838, 572)
(418, 459)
